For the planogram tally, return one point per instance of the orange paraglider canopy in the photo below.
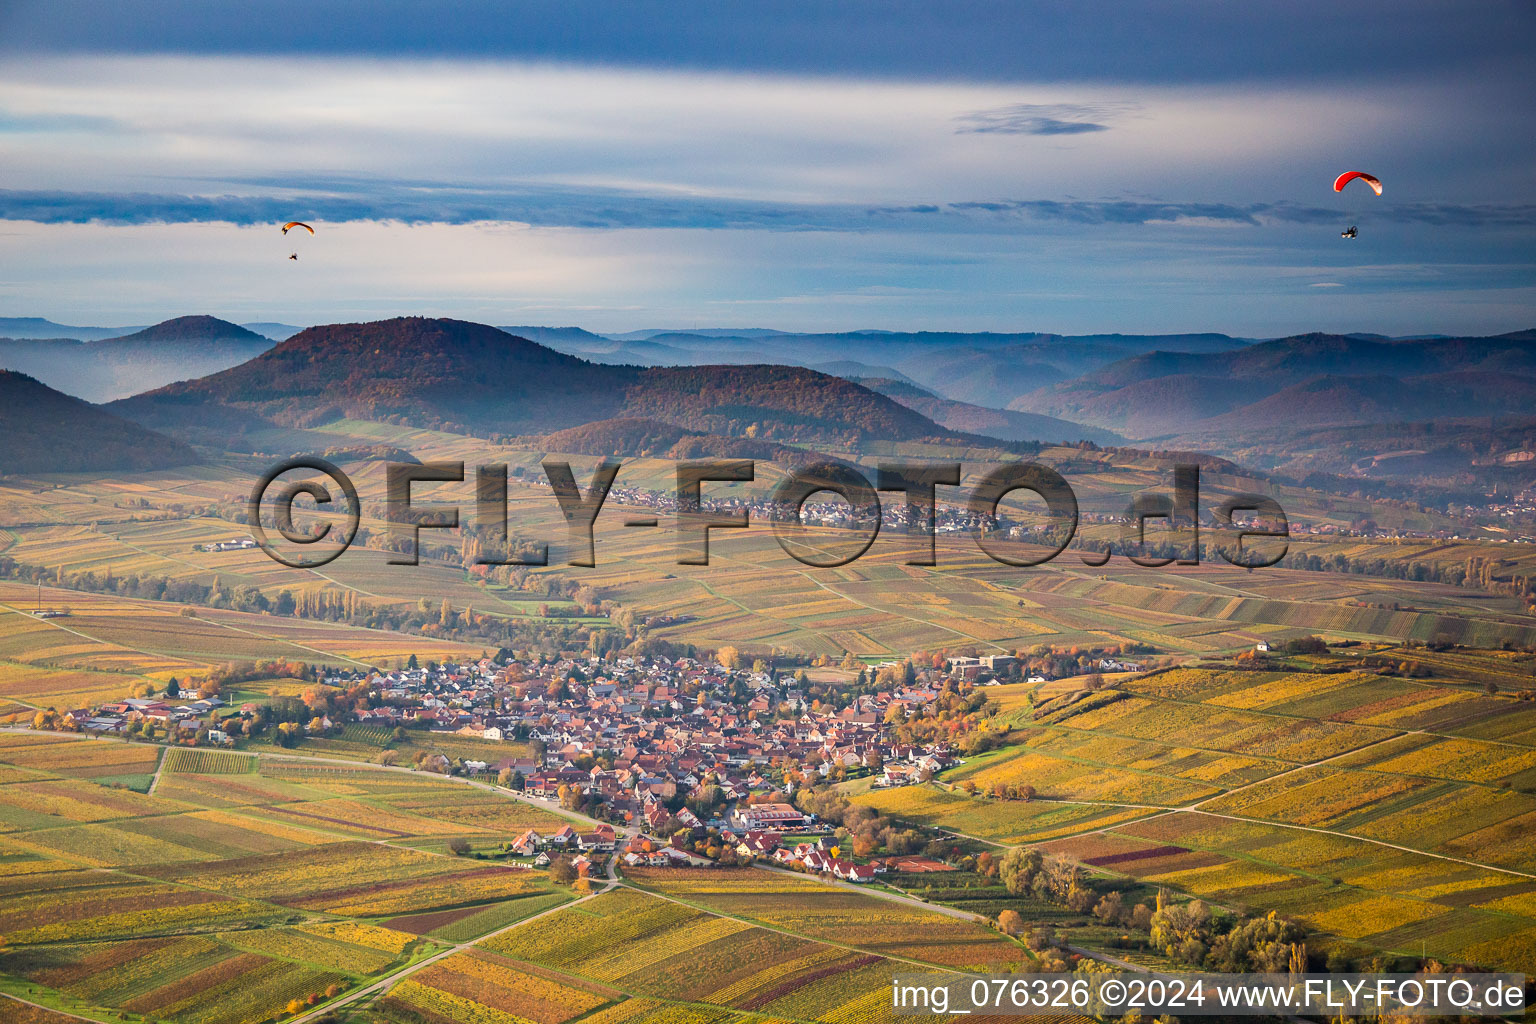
(1349, 176)
(306, 227)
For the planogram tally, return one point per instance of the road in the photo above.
(612, 880)
(964, 915)
(1092, 954)
(154, 783)
(389, 981)
(622, 830)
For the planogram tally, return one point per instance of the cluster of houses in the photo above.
(188, 719)
(947, 517)
(819, 858)
(665, 746)
(653, 729)
(566, 840)
(912, 765)
(238, 544)
(974, 669)
(991, 666)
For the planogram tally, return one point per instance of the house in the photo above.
(545, 784)
(676, 858)
(817, 860)
(757, 843)
(1262, 646)
(851, 872)
(596, 841)
(900, 775)
(565, 837)
(651, 860)
(755, 817)
(526, 844)
(656, 815)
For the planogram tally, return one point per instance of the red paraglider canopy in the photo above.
(1349, 176)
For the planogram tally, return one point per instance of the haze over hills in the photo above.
(981, 368)
(272, 329)
(38, 327)
(45, 431)
(479, 379)
(102, 370)
(1298, 383)
(1262, 401)
(976, 419)
(1449, 413)
(1266, 403)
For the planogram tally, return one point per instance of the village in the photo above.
(677, 761)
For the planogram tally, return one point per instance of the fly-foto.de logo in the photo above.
(805, 525)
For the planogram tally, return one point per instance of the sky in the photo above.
(1082, 168)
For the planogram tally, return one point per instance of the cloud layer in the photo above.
(517, 191)
(421, 203)
(1139, 41)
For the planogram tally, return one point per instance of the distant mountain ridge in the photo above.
(479, 379)
(38, 327)
(1298, 383)
(981, 368)
(1003, 424)
(46, 431)
(272, 329)
(193, 328)
(111, 368)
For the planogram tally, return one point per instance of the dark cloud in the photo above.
(337, 200)
(1049, 126)
(420, 203)
(978, 40)
(1043, 118)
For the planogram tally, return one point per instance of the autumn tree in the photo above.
(1019, 868)
(1110, 909)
